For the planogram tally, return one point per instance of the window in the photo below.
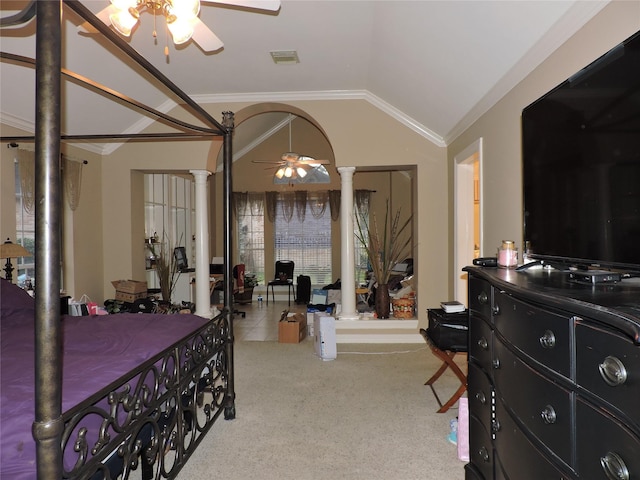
(25, 234)
(360, 251)
(361, 219)
(307, 243)
(169, 212)
(251, 238)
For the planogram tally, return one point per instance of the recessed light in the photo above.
(285, 57)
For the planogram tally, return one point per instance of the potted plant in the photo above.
(165, 266)
(385, 248)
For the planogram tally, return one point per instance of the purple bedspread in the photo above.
(97, 351)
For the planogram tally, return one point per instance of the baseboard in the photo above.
(378, 331)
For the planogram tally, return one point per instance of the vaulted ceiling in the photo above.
(435, 65)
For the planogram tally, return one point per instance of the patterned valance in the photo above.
(296, 202)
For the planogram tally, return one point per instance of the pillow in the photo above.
(13, 300)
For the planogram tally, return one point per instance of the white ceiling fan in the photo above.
(292, 165)
(181, 17)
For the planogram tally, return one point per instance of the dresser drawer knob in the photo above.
(614, 467)
(548, 415)
(481, 398)
(495, 426)
(483, 343)
(548, 339)
(483, 298)
(484, 454)
(613, 371)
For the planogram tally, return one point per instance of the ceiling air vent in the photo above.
(285, 57)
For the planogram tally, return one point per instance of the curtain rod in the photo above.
(16, 145)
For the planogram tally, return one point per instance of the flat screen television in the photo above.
(581, 166)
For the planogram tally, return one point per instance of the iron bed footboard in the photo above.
(155, 416)
(137, 426)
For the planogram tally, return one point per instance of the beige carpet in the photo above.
(361, 416)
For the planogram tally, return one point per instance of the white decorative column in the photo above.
(347, 251)
(203, 300)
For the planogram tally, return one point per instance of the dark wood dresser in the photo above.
(554, 377)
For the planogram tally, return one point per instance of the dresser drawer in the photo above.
(542, 406)
(517, 458)
(608, 365)
(472, 473)
(480, 342)
(480, 395)
(604, 444)
(480, 293)
(480, 447)
(542, 335)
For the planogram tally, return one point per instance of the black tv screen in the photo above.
(581, 166)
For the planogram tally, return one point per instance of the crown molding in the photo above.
(17, 122)
(29, 126)
(168, 105)
(326, 95)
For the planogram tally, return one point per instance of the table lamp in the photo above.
(11, 250)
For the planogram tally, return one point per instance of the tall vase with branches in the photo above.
(165, 265)
(385, 247)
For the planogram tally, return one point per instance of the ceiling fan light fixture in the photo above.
(124, 20)
(301, 172)
(288, 171)
(280, 173)
(181, 30)
(184, 8)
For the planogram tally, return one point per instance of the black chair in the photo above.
(283, 278)
(217, 289)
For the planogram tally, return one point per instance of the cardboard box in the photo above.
(129, 290)
(130, 297)
(292, 329)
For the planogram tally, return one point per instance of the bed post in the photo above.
(48, 425)
(228, 122)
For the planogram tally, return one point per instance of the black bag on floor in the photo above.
(303, 290)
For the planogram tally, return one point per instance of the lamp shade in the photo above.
(181, 30)
(13, 250)
(123, 21)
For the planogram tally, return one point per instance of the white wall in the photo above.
(500, 127)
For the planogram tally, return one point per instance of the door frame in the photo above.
(464, 218)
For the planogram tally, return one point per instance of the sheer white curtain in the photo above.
(72, 178)
(26, 166)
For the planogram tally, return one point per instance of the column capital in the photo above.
(346, 170)
(200, 173)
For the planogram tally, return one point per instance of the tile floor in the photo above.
(261, 321)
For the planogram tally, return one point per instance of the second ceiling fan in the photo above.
(292, 165)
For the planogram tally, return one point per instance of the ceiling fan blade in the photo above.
(103, 15)
(205, 38)
(268, 161)
(290, 157)
(272, 5)
(305, 160)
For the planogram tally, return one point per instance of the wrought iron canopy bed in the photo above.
(153, 408)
